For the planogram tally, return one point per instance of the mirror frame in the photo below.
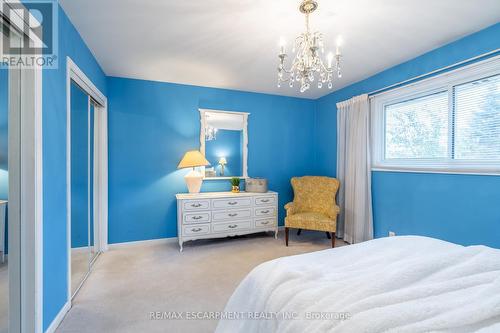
(245, 141)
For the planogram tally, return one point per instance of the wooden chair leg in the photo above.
(298, 232)
(328, 235)
(286, 236)
(333, 240)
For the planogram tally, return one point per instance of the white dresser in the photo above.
(223, 214)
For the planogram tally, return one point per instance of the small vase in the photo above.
(235, 189)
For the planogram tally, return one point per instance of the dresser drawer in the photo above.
(201, 217)
(267, 200)
(225, 227)
(196, 204)
(199, 229)
(231, 203)
(265, 211)
(231, 214)
(262, 223)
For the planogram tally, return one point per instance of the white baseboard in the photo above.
(153, 241)
(59, 318)
(143, 242)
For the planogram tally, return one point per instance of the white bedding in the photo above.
(394, 284)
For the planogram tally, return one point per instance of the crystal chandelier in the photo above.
(307, 63)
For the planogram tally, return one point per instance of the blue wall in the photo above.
(55, 256)
(151, 126)
(459, 208)
(229, 145)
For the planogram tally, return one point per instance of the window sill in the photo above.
(487, 171)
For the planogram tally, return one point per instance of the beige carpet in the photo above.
(128, 283)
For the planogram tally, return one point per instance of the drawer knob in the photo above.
(232, 226)
(264, 211)
(196, 229)
(197, 217)
(232, 203)
(264, 200)
(196, 205)
(267, 222)
(233, 214)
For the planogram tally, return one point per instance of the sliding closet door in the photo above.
(80, 185)
(4, 196)
(93, 221)
(10, 192)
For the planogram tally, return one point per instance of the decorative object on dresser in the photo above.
(235, 185)
(194, 178)
(257, 185)
(224, 214)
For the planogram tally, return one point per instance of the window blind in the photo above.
(476, 107)
(417, 128)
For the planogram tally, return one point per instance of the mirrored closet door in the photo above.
(84, 221)
(9, 191)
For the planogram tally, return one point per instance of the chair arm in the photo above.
(289, 209)
(334, 211)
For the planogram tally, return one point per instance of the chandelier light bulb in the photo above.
(282, 45)
(330, 59)
(339, 43)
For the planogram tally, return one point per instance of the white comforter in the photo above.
(394, 284)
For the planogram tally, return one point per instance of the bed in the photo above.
(393, 284)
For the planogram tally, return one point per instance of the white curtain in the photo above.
(355, 222)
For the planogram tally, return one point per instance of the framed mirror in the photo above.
(224, 143)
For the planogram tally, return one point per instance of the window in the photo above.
(477, 119)
(449, 122)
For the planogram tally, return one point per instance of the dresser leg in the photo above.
(276, 234)
(180, 244)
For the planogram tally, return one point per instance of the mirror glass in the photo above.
(224, 136)
(80, 184)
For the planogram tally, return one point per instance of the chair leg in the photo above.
(328, 235)
(333, 240)
(286, 236)
(298, 232)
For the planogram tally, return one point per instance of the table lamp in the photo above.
(194, 178)
(222, 162)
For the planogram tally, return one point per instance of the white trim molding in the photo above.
(59, 318)
(146, 242)
(439, 83)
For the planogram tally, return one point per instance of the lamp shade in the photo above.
(192, 159)
(222, 161)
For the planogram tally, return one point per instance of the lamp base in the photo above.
(194, 179)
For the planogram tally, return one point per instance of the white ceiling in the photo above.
(234, 43)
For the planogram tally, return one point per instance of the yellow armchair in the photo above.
(313, 206)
